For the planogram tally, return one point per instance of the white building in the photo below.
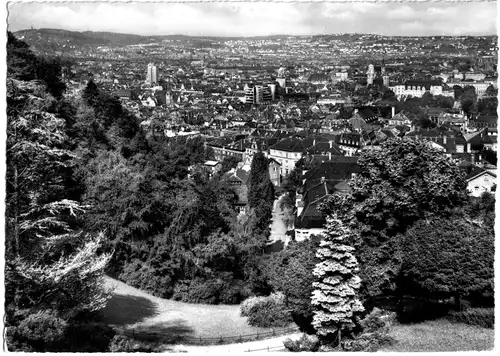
(151, 75)
(480, 183)
(417, 88)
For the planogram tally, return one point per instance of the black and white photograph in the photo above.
(249, 176)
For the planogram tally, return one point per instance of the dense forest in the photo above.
(89, 194)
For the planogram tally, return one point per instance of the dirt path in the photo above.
(274, 344)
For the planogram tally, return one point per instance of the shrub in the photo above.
(412, 310)
(483, 317)
(40, 331)
(89, 337)
(307, 343)
(211, 291)
(148, 279)
(198, 291)
(269, 312)
(249, 303)
(234, 292)
(375, 333)
(122, 343)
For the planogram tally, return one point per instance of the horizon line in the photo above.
(253, 36)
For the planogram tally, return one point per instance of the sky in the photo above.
(236, 18)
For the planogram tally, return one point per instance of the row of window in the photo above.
(286, 154)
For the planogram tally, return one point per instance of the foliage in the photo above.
(261, 193)
(468, 100)
(54, 271)
(228, 163)
(40, 331)
(487, 106)
(211, 291)
(306, 343)
(406, 181)
(122, 343)
(23, 64)
(448, 257)
(482, 208)
(489, 156)
(415, 310)
(374, 335)
(334, 297)
(482, 317)
(89, 337)
(269, 312)
(55, 264)
(290, 272)
(249, 303)
(158, 282)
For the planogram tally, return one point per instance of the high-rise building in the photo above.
(151, 76)
(370, 75)
(258, 94)
(267, 94)
(385, 79)
(249, 95)
(272, 87)
(281, 78)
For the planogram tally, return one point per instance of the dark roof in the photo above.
(318, 77)
(367, 114)
(311, 140)
(221, 141)
(425, 83)
(338, 169)
(289, 144)
(488, 118)
(243, 175)
(325, 148)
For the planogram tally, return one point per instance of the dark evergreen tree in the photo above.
(261, 193)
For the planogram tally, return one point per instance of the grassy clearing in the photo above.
(137, 310)
(440, 335)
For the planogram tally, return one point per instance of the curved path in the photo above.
(274, 344)
(147, 316)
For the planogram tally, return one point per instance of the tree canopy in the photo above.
(406, 181)
(448, 257)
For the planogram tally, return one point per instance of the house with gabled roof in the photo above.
(400, 119)
(287, 152)
(328, 178)
(479, 179)
(349, 142)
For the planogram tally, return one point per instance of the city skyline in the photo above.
(245, 19)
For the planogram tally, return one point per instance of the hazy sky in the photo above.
(261, 18)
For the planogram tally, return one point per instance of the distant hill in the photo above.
(112, 38)
(53, 38)
(56, 36)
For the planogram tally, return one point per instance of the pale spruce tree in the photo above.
(334, 297)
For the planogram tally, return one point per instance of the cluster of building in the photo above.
(305, 110)
(335, 153)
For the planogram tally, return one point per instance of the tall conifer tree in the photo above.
(335, 291)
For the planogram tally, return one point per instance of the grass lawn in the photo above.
(137, 310)
(440, 335)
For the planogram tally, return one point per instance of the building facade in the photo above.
(151, 75)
